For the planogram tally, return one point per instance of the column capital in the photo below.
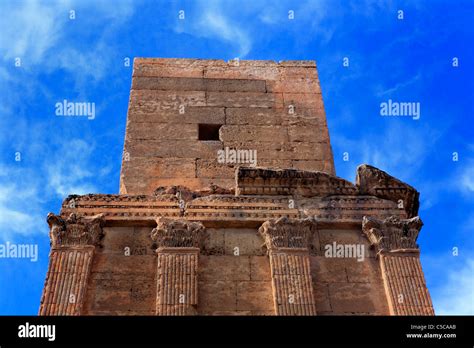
(392, 234)
(170, 233)
(75, 230)
(287, 233)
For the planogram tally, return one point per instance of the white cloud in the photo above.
(456, 294)
(209, 21)
(20, 206)
(42, 35)
(69, 170)
(467, 178)
(29, 30)
(401, 157)
(53, 165)
(398, 86)
(214, 24)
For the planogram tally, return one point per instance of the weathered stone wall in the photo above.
(234, 275)
(120, 284)
(274, 109)
(173, 244)
(346, 286)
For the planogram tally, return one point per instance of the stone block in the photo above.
(307, 134)
(310, 165)
(174, 149)
(117, 239)
(351, 298)
(165, 69)
(244, 71)
(161, 131)
(303, 100)
(242, 99)
(206, 168)
(198, 84)
(229, 268)
(103, 300)
(150, 101)
(270, 163)
(321, 297)
(328, 270)
(183, 115)
(363, 272)
(247, 241)
(254, 116)
(254, 296)
(214, 242)
(121, 264)
(260, 268)
(327, 237)
(246, 133)
(151, 167)
(218, 295)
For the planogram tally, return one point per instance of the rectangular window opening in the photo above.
(209, 131)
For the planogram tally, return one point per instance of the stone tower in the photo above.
(229, 205)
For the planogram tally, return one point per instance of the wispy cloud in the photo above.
(401, 157)
(31, 28)
(42, 35)
(398, 86)
(210, 20)
(455, 295)
(466, 177)
(70, 169)
(20, 205)
(214, 24)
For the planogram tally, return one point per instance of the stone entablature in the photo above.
(312, 194)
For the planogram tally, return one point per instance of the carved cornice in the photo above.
(262, 194)
(177, 233)
(287, 233)
(75, 230)
(263, 181)
(392, 234)
(376, 182)
(370, 181)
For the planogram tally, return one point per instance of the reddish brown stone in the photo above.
(189, 235)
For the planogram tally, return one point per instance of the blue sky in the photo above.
(82, 59)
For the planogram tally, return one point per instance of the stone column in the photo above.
(394, 240)
(73, 242)
(287, 241)
(178, 243)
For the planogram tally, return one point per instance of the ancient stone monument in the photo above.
(229, 205)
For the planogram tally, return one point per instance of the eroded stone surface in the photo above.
(188, 235)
